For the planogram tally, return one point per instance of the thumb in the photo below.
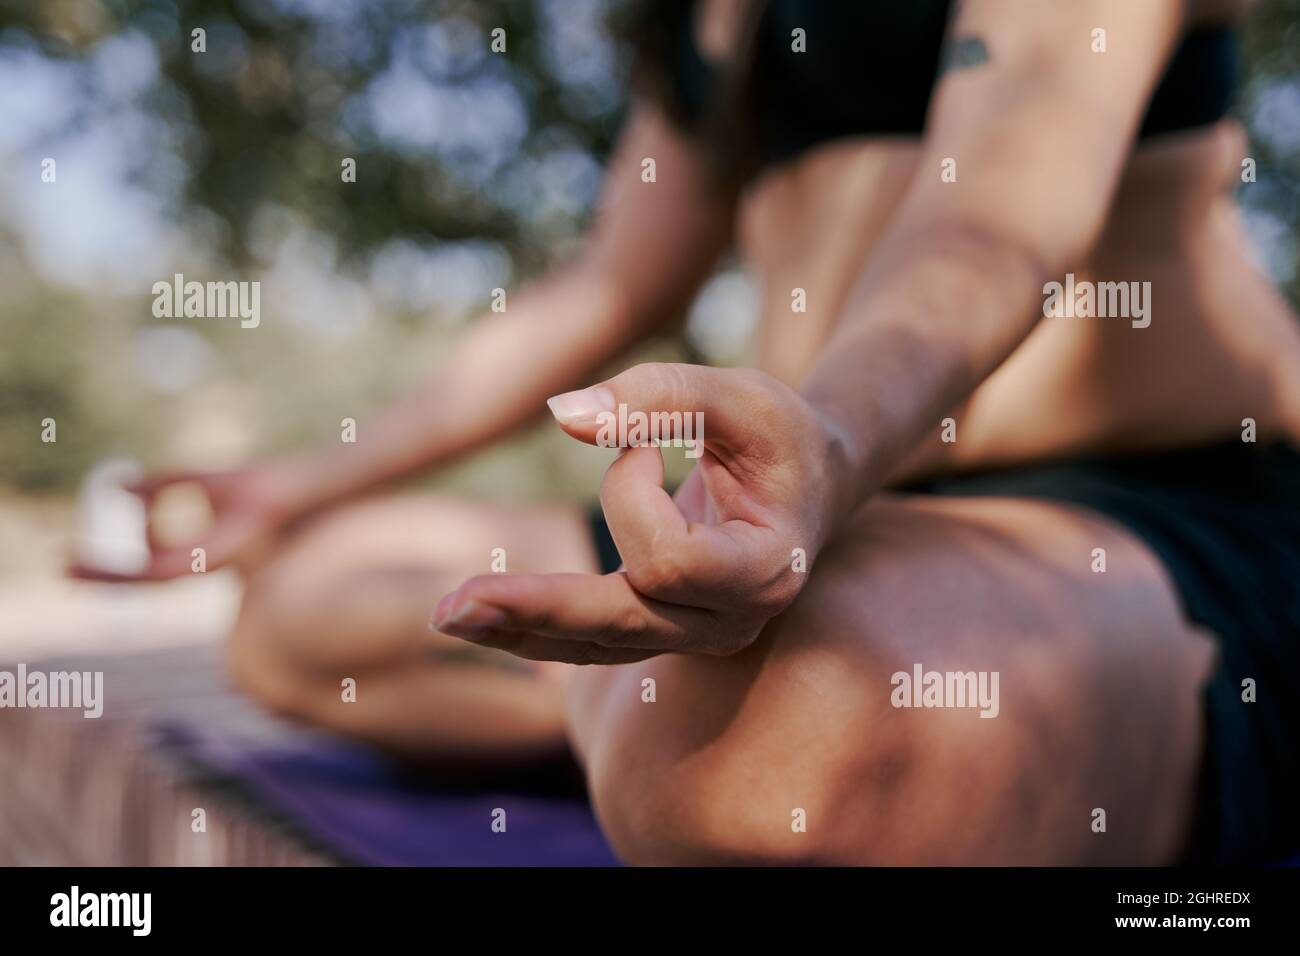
(720, 408)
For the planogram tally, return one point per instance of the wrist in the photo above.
(844, 465)
(292, 487)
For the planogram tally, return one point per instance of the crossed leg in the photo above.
(1099, 707)
(1099, 680)
(351, 595)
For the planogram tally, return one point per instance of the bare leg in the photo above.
(1099, 681)
(1099, 706)
(350, 596)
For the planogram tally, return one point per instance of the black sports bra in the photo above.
(875, 64)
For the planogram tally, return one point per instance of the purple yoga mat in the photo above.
(367, 811)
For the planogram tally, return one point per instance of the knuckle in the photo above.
(647, 375)
(527, 600)
(669, 381)
(657, 573)
(627, 628)
(781, 591)
(732, 639)
(759, 389)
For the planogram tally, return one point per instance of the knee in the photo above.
(698, 817)
(786, 755)
(260, 662)
(789, 753)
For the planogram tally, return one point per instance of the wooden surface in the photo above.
(106, 792)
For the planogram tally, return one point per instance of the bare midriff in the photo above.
(1221, 345)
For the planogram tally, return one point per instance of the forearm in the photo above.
(553, 337)
(1040, 134)
(938, 311)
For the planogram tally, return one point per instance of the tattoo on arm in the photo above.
(962, 53)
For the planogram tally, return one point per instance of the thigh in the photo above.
(796, 750)
(350, 595)
(363, 580)
(438, 533)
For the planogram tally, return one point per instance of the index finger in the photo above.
(496, 609)
(666, 557)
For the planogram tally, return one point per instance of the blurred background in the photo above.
(474, 170)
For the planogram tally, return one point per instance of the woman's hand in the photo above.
(250, 507)
(701, 574)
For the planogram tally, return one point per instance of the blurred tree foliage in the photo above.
(262, 120)
(265, 108)
(1269, 104)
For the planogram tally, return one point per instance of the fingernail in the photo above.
(441, 611)
(581, 407)
(468, 617)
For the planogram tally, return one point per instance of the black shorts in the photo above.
(1225, 522)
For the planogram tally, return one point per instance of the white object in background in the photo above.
(111, 522)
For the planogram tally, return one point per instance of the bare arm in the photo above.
(1039, 126)
(650, 247)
